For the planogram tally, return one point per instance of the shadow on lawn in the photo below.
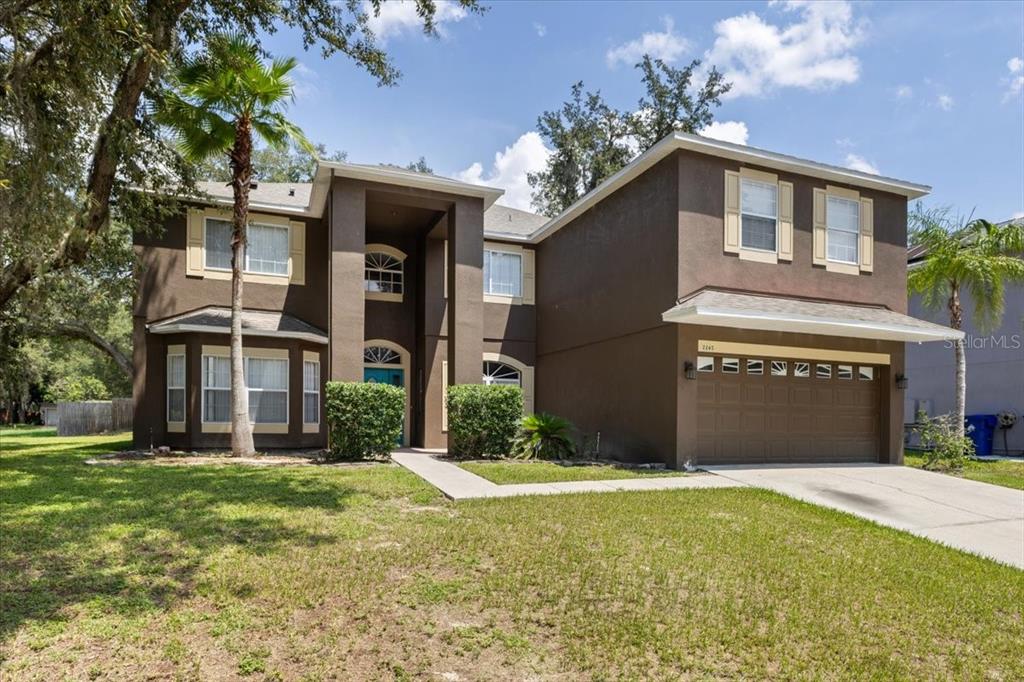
(131, 539)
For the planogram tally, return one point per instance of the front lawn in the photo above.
(366, 572)
(1004, 472)
(549, 472)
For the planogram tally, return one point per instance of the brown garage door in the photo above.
(763, 410)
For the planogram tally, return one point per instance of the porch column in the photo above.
(465, 291)
(346, 297)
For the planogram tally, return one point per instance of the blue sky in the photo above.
(930, 93)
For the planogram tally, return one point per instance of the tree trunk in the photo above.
(956, 321)
(241, 173)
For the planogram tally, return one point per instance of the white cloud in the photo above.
(1017, 215)
(666, 45)
(540, 28)
(398, 17)
(945, 102)
(859, 163)
(904, 92)
(305, 82)
(526, 155)
(813, 52)
(1015, 81)
(727, 131)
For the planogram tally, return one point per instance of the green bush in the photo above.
(74, 388)
(364, 420)
(942, 448)
(545, 436)
(483, 420)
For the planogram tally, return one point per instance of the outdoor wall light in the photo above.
(902, 382)
(689, 370)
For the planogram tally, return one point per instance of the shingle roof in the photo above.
(285, 194)
(215, 319)
(500, 220)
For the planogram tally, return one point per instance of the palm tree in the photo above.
(975, 256)
(219, 100)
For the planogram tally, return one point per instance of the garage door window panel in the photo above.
(730, 366)
(779, 368)
(755, 367)
(823, 371)
(844, 371)
(802, 370)
(866, 373)
(705, 363)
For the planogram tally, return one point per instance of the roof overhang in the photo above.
(176, 328)
(211, 320)
(735, 152)
(897, 328)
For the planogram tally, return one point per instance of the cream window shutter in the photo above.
(194, 244)
(732, 212)
(867, 235)
(529, 276)
(527, 381)
(820, 251)
(297, 253)
(444, 395)
(786, 221)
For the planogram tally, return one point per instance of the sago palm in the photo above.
(976, 257)
(219, 100)
(544, 436)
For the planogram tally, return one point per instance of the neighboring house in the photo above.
(995, 365)
(709, 303)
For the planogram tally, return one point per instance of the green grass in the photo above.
(1005, 473)
(549, 472)
(366, 572)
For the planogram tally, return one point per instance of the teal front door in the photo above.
(381, 375)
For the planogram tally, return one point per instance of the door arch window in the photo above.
(502, 374)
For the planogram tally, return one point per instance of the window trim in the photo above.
(702, 362)
(177, 350)
(525, 376)
(263, 354)
(773, 183)
(196, 251)
(245, 257)
(831, 193)
(490, 297)
(398, 255)
(314, 359)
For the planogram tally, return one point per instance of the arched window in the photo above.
(383, 273)
(380, 355)
(500, 373)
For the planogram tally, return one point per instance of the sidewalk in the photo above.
(459, 484)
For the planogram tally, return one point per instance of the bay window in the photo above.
(176, 388)
(310, 392)
(266, 380)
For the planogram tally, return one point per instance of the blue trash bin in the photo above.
(981, 429)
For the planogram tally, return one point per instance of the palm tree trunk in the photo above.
(956, 320)
(241, 173)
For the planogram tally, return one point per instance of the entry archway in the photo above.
(387, 361)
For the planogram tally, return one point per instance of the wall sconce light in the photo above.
(689, 370)
(902, 382)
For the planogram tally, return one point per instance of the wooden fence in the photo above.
(94, 416)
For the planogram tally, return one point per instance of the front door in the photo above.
(382, 375)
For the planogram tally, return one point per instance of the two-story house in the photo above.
(709, 303)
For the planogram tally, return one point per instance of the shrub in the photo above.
(942, 448)
(74, 388)
(483, 420)
(364, 420)
(545, 436)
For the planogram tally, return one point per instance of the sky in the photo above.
(931, 93)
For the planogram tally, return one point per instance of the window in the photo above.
(310, 392)
(216, 388)
(866, 373)
(844, 371)
(755, 367)
(823, 371)
(176, 388)
(503, 273)
(801, 370)
(842, 217)
(759, 214)
(779, 368)
(705, 363)
(502, 374)
(267, 383)
(730, 366)
(381, 355)
(383, 273)
(266, 252)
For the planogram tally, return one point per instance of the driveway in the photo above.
(976, 517)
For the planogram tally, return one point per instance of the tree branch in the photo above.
(82, 332)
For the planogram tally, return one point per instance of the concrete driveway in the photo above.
(976, 517)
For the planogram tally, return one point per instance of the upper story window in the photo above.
(383, 273)
(266, 252)
(759, 214)
(503, 273)
(842, 217)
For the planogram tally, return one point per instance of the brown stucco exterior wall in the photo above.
(604, 357)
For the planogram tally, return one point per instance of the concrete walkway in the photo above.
(459, 484)
(976, 517)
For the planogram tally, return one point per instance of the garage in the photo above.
(773, 410)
